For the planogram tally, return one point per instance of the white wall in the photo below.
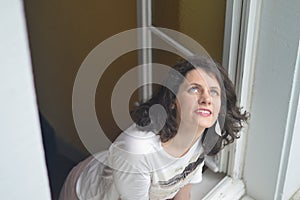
(23, 172)
(274, 109)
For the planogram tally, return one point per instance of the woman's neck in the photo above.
(184, 139)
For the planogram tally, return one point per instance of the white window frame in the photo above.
(144, 16)
(240, 41)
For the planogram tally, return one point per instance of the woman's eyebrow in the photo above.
(215, 87)
(199, 85)
(196, 84)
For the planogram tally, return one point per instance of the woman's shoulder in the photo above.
(134, 140)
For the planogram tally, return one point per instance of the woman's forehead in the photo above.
(198, 75)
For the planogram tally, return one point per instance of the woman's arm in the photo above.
(184, 193)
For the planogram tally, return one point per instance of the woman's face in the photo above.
(198, 99)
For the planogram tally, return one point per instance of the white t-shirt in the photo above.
(136, 167)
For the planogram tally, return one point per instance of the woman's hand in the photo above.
(184, 193)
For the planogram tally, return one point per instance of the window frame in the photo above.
(240, 42)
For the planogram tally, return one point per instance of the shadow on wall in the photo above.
(58, 165)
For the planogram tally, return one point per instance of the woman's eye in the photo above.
(193, 90)
(214, 93)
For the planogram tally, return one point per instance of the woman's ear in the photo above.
(173, 106)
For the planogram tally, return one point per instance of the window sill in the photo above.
(216, 186)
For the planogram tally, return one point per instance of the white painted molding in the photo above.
(247, 61)
(269, 133)
(231, 36)
(144, 15)
(289, 129)
(227, 189)
(231, 44)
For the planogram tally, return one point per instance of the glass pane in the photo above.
(202, 20)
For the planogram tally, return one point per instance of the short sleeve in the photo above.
(130, 159)
(131, 175)
(132, 186)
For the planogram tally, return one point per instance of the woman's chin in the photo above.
(204, 125)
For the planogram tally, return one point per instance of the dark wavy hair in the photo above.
(165, 96)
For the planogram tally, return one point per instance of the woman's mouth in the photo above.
(204, 112)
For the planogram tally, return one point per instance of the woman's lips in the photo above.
(204, 112)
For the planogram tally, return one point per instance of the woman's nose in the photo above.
(204, 97)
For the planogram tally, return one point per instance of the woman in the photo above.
(162, 154)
